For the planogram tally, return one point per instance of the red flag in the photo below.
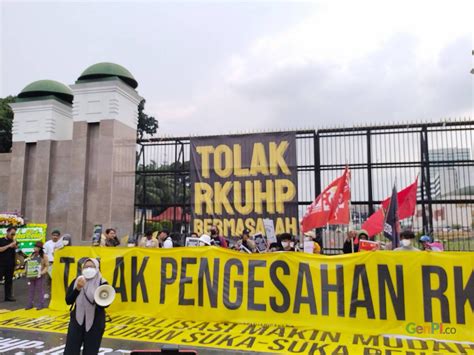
(374, 224)
(342, 212)
(406, 201)
(330, 205)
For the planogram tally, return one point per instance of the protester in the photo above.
(148, 241)
(362, 235)
(246, 243)
(87, 319)
(217, 240)
(8, 247)
(66, 240)
(311, 236)
(165, 239)
(110, 239)
(425, 241)
(38, 261)
(350, 244)
(51, 245)
(406, 242)
(287, 242)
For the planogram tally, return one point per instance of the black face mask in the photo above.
(213, 233)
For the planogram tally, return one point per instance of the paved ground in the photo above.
(30, 342)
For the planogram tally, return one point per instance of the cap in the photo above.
(246, 231)
(205, 239)
(425, 239)
(310, 234)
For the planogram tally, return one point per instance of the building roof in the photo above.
(42, 88)
(107, 70)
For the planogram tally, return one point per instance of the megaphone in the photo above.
(104, 295)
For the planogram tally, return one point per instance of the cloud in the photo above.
(346, 63)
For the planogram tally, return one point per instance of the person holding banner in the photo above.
(246, 244)
(350, 244)
(165, 239)
(87, 319)
(217, 240)
(36, 269)
(148, 241)
(406, 240)
(287, 243)
(110, 239)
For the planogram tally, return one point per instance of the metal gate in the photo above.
(439, 154)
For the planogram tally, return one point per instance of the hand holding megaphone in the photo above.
(104, 295)
(81, 281)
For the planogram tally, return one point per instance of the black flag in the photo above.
(391, 225)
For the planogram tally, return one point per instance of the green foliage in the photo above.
(155, 185)
(167, 225)
(146, 124)
(6, 123)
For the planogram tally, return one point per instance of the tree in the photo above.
(146, 124)
(6, 123)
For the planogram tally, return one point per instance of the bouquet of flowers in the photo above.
(11, 220)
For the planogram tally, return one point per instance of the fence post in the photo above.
(426, 178)
(369, 173)
(317, 174)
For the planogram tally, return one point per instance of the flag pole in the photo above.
(350, 226)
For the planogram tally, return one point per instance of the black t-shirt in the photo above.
(7, 257)
(215, 240)
(347, 247)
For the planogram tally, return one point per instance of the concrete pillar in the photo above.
(108, 111)
(37, 124)
(17, 177)
(77, 186)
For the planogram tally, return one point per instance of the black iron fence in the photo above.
(439, 154)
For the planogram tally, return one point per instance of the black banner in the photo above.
(237, 181)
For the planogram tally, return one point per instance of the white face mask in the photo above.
(89, 272)
(65, 242)
(405, 242)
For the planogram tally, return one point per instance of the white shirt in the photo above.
(49, 248)
(168, 243)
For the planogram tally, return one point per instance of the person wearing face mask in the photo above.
(66, 240)
(87, 319)
(36, 270)
(406, 242)
(287, 243)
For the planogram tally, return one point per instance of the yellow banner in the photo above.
(423, 295)
(237, 336)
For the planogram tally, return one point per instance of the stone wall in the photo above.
(5, 159)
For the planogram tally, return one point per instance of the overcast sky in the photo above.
(214, 67)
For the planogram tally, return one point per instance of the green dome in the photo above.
(106, 70)
(42, 88)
